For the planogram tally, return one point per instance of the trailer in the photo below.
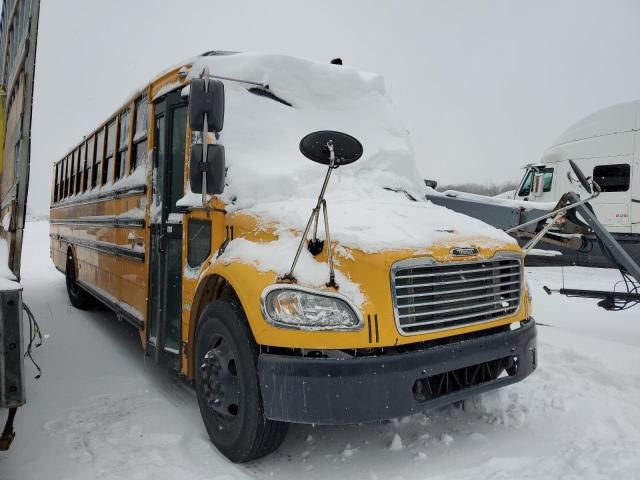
(18, 35)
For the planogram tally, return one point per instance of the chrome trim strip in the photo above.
(422, 275)
(105, 247)
(461, 317)
(454, 300)
(471, 280)
(430, 262)
(109, 221)
(322, 293)
(459, 290)
(454, 309)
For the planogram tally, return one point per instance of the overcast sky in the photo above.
(484, 86)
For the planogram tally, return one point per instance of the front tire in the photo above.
(226, 381)
(78, 296)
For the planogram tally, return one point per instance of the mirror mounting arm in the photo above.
(205, 140)
(313, 219)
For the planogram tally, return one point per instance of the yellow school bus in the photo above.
(187, 213)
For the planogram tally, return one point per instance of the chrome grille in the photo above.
(430, 296)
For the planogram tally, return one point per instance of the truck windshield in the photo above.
(525, 188)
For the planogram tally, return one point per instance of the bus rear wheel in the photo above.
(227, 387)
(78, 296)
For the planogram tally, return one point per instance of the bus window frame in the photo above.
(99, 138)
(67, 168)
(72, 173)
(121, 155)
(91, 147)
(139, 138)
(55, 182)
(79, 169)
(107, 161)
(85, 166)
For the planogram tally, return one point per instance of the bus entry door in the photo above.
(165, 286)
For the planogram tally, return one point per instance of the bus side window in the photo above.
(199, 244)
(107, 167)
(97, 174)
(123, 144)
(91, 170)
(85, 169)
(613, 178)
(67, 172)
(140, 127)
(79, 168)
(55, 183)
(60, 179)
(72, 174)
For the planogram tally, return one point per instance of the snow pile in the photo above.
(396, 444)
(7, 278)
(269, 178)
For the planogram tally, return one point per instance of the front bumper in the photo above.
(330, 391)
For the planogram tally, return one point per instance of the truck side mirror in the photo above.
(538, 184)
(213, 168)
(206, 96)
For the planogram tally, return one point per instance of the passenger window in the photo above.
(199, 245)
(62, 178)
(56, 182)
(123, 144)
(85, 169)
(613, 178)
(99, 157)
(67, 174)
(141, 125)
(107, 167)
(90, 160)
(79, 169)
(72, 176)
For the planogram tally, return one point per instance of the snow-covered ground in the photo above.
(103, 411)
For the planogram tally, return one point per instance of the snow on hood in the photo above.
(269, 178)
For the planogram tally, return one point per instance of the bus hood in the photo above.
(368, 234)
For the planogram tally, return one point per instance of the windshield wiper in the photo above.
(402, 190)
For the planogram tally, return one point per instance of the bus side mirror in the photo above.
(213, 167)
(538, 184)
(206, 97)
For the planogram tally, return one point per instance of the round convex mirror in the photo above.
(347, 149)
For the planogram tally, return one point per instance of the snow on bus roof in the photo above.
(268, 176)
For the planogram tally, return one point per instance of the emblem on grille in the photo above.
(463, 251)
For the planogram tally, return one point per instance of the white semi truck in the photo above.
(606, 147)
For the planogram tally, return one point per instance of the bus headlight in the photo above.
(306, 309)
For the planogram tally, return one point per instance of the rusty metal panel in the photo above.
(18, 35)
